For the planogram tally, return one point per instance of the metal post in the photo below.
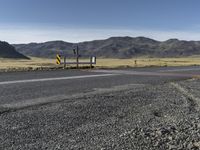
(77, 57)
(65, 62)
(90, 62)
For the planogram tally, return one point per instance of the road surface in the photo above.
(24, 86)
(94, 109)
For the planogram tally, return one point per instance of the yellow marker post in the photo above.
(58, 59)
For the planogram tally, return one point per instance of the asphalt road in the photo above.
(68, 104)
(29, 90)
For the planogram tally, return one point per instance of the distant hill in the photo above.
(8, 51)
(114, 47)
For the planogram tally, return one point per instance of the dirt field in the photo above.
(102, 62)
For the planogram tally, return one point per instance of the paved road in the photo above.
(99, 109)
(29, 86)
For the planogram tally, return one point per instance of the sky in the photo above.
(25, 21)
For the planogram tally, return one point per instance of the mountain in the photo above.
(114, 47)
(47, 49)
(8, 51)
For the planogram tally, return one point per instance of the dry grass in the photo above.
(145, 62)
(20, 63)
(106, 63)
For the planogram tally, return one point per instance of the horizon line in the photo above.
(104, 39)
(77, 35)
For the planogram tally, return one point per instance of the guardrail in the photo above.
(91, 62)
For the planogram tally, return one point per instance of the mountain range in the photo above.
(8, 51)
(114, 47)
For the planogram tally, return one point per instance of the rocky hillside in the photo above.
(114, 47)
(8, 51)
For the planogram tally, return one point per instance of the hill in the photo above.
(114, 47)
(8, 51)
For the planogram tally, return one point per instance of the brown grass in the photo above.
(20, 63)
(106, 63)
(146, 62)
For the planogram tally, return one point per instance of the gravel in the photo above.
(141, 117)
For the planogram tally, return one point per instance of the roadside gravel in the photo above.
(141, 117)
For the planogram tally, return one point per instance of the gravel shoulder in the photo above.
(138, 117)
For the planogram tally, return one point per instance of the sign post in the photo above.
(76, 52)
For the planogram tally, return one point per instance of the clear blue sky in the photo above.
(79, 20)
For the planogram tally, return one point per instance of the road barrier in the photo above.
(91, 62)
(58, 59)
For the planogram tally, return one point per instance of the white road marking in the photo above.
(54, 79)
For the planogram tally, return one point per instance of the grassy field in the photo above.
(145, 62)
(105, 63)
(20, 63)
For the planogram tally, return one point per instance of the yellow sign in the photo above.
(58, 59)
